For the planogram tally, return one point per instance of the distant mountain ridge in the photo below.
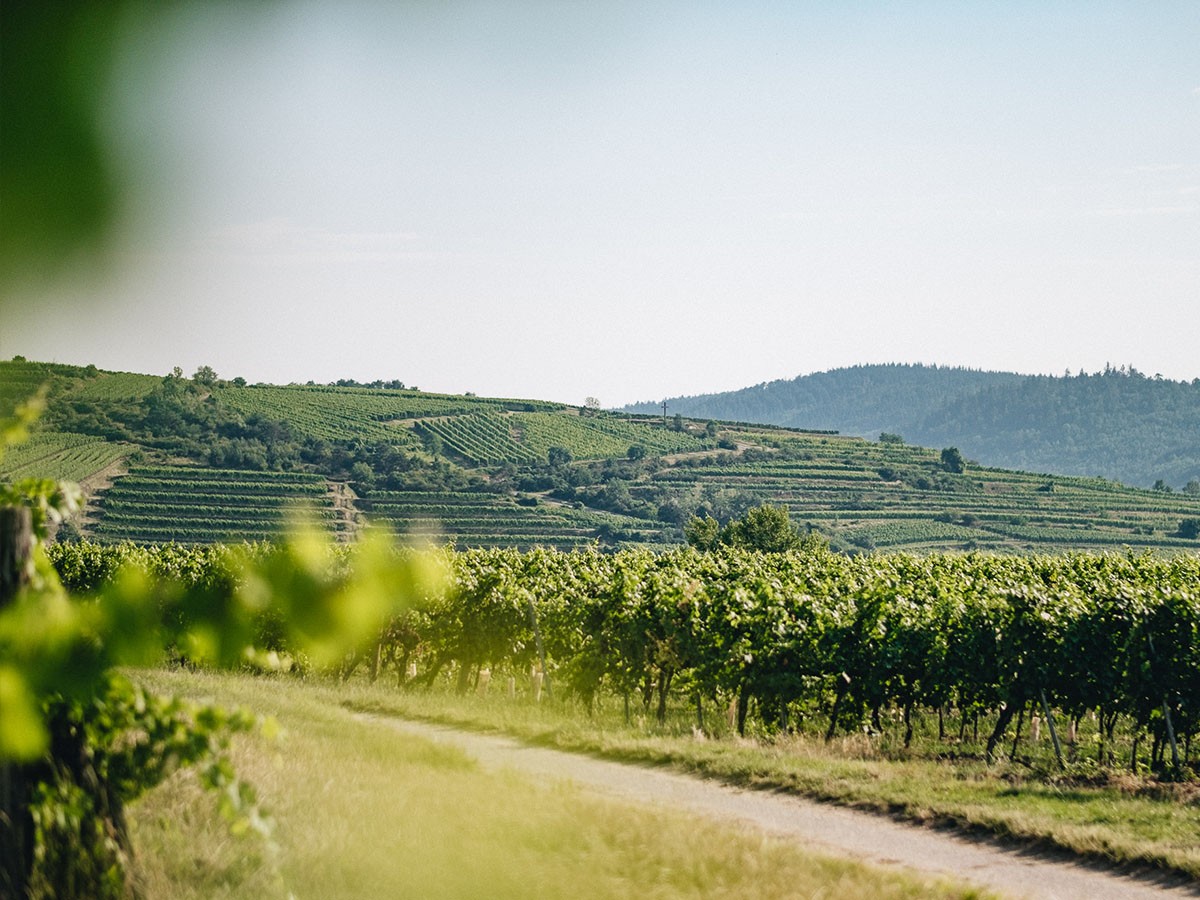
(1118, 424)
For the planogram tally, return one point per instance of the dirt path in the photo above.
(91, 486)
(821, 827)
(344, 498)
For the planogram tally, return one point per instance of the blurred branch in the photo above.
(58, 195)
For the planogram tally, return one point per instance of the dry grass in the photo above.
(1118, 818)
(364, 812)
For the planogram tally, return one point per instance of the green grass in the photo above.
(1121, 821)
(362, 811)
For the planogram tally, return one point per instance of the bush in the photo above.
(863, 541)
(952, 460)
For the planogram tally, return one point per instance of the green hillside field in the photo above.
(200, 460)
(1118, 423)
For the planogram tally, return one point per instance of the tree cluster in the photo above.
(766, 528)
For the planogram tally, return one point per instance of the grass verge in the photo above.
(361, 811)
(1129, 823)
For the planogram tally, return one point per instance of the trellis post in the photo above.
(16, 828)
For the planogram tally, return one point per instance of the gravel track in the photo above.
(821, 827)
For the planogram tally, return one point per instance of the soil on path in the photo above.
(92, 486)
(823, 828)
(349, 518)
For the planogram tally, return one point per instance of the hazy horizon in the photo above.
(634, 202)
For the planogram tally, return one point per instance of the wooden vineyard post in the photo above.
(376, 660)
(1166, 708)
(1171, 735)
(16, 550)
(1017, 736)
(1053, 732)
(16, 832)
(537, 636)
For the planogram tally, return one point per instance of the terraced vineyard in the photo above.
(596, 437)
(20, 380)
(482, 439)
(325, 414)
(63, 457)
(486, 520)
(350, 413)
(870, 495)
(621, 480)
(192, 505)
(525, 438)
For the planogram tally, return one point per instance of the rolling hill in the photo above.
(1118, 424)
(200, 460)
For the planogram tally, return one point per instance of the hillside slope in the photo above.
(201, 460)
(862, 400)
(1117, 424)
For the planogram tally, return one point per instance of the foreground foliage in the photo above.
(807, 642)
(78, 741)
(814, 640)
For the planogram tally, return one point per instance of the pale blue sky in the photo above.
(640, 200)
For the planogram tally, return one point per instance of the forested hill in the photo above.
(1118, 424)
(863, 400)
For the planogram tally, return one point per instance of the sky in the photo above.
(636, 201)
